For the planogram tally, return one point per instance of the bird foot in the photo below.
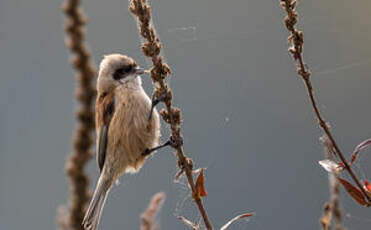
(171, 142)
(155, 102)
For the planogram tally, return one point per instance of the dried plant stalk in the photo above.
(85, 94)
(332, 208)
(149, 215)
(296, 38)
(151, 48)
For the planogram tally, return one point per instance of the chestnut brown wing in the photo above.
(105, 109)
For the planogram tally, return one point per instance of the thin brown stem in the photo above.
(151, 47)
(85, 94)
(332, 210)
(296, 38)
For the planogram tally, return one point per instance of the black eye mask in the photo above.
(122, 72)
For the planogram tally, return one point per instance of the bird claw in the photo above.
(155, 101)
(171, 142)
(176, 143)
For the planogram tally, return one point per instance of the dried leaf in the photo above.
(353, 192)
(330, 166)
(359, 148)
(200, 185)
(189, 223)
(245, 215)
(196, 171)
(341, 166)
(367, 186)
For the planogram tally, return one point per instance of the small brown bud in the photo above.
(177, 115)
(151, 49)
(165, 115)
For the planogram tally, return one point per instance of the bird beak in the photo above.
(139, 71)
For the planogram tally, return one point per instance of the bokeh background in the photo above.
(247, 119)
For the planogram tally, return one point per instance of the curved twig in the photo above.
(151, 47)
(297, 39)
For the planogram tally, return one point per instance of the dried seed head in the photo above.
(177, 115)
(160, 71)
(165, 115)
(151, 49)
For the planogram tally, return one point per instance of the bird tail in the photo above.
(94, 212)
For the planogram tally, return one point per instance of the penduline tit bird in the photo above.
(125, 135)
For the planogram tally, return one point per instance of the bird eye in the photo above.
(127, 69)
(119, 73)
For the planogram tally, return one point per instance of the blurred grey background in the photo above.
(247, 119)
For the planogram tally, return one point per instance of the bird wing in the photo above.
(105, 108)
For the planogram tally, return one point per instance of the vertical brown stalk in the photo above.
(85, 94)
(296, 38)
(331, 209)
(151, 47)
